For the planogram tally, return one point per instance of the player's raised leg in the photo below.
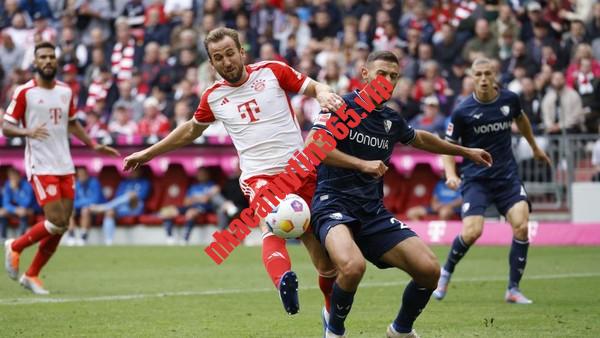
(351, 266)
(414, 257)
(518, 217)
(325, 267)
(471, 231)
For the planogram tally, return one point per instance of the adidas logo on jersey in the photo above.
(225, 101)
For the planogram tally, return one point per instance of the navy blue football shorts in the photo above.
(375, 229)
(479, 194)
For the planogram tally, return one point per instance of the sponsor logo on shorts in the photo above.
(465, 207)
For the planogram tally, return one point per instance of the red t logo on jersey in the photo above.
(249, 108)
(55, 114)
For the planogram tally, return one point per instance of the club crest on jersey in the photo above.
(388, 125)
(450, 129)
(505, 110)
(258, 85)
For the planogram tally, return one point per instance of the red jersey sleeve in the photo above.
(203, 113)
(16, 109)
(71, 108)
(289, 79)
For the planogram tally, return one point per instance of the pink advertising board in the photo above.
(499, 233)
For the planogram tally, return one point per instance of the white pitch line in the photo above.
(46, 300)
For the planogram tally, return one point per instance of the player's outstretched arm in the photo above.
(10, 130)
(431, 143)
(452, 179)
(76, 129)
(340, 159)
(328, 99)
(524, 126)
(181, 136)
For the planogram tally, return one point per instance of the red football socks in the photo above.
(275, 257)
(46, 249)
(32, 236)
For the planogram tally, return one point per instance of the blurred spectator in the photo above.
(518, 58)
(42, 27)
(101, 88)
(407, 105)
(574, 38)
(467, 88)
(154, 123)
(420, 21)
(593, 27)
(432, 119)
(445, 204)
(129, 200)
(134, 11)
(482, 44)
(185, 93)
(297, 29)
(155, 31)
(448, 48)
(183, 113)
(69, 76)
(531, 104)
(39, 8)
(583, 51)
(121, 121)
(123, 53)
(587, 84)
(232, 191)
(19, 32)
(306, 110)
(94, 125)
(70, 51)
(332, 76)
(322, 30)
(88, 192)
(506, 23)
(431, 74)
(7, 12)
(202, 197)
(541, 39)
(129, 101)
(561, 107)
(97, 63)
(187, 23)
(11, 55)
(174, 8)
(18, 199)
(93, 15)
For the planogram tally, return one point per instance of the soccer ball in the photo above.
(290, 219)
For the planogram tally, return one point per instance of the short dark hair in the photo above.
(42, 45)
(384, 56)
(219, 34)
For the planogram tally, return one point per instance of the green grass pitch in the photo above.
(179, 292)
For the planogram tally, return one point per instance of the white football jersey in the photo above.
(32, 106)
(258, 116)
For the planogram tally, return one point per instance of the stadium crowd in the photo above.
(139, 67)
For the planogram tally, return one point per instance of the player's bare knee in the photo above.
(471, 233)
(353, 269)
(428, 274)
(521, 231)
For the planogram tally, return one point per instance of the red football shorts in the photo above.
(49, 188)
(252, 186)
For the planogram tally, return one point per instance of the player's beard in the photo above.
(237, 76)
(47, 76)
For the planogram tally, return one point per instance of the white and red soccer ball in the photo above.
(291, 218)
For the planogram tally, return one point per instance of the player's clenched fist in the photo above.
(480, 157)
(453, 182)
(135, 160)
(374, 168)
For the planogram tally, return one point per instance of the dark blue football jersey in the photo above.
(373, 139)
(476, 124)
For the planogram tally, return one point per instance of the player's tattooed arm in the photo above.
(76, 129)
(525, 129)
(181, 136)
(431, 143)
(328, 99)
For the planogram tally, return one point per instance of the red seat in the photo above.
(109, 178)
(394, 185)
(419, 187)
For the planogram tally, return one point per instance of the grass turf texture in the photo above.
(178, 291)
